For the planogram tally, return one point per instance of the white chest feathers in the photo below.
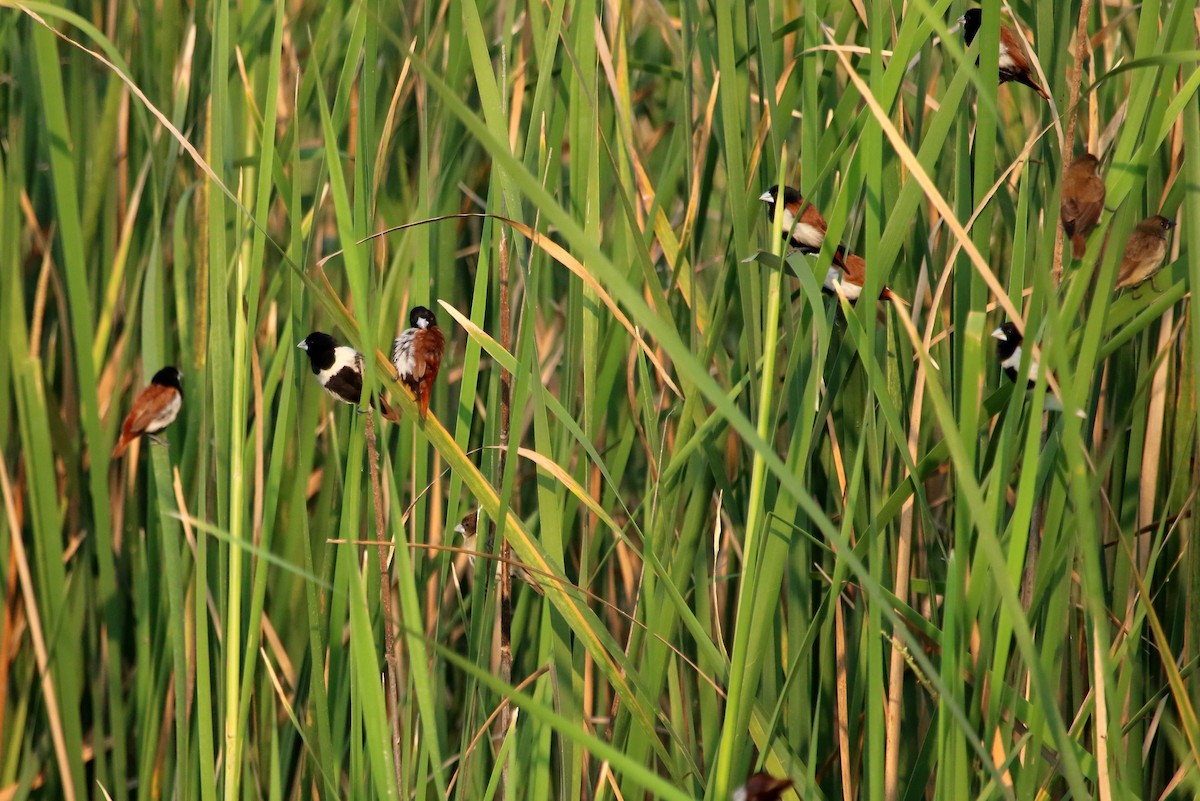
(404, 352)
(166, 415)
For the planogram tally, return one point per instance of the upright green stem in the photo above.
(743, 672)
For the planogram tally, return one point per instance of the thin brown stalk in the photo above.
(385, 600)
(892, 739)
(1081, 50)
(37, 637)
(506, 611)
(843, 702)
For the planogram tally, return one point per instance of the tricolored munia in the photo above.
(154, 408)
(417, 355)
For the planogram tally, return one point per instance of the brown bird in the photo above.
(1082, 201)
(1014, 63)
(154, 408)
(1145, 251)
(468, 528)
(761, 787)
(850, 270)
(803, 226)
(417, 354)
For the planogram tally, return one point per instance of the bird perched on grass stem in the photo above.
(803, 226)
(417, 355)
(850, 270)
(468, 528)
(1082, 201)
(154, 408)
(1144, 251)
(1008, 348)
(338, 368)
(1014, 63)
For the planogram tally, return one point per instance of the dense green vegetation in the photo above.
(773, 530)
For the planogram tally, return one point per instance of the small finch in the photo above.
(1082, 201)
(1144, 251)
(1014, 63)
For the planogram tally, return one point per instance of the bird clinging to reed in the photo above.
(1144, 251)
(417, 355)
(1014, 63)
(803, 226)
(1082, 201)
(154, 408)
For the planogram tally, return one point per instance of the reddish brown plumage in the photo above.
(803, 226)
(154, 408)
(1013, 63)
(852, 275)
(417, 355)
(806, 216)
(762, 787)
(430, 345)
(1082, 201)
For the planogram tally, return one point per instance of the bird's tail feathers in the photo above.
(1078, 245)
(121, 447)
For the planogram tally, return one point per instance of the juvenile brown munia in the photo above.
(1145, 251)
(1082, 201)
(468, 528)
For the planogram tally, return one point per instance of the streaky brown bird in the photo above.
(1014, 63)
(762, 787)
(154, 408)
(850, 270)
(417, 355)
(803, 226)
(468, 528)
(1082, 201)
(1144, 251)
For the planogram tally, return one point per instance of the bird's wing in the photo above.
(148, 405)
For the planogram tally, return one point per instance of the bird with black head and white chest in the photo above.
(154, 408)
(337, 368)
(1008, 349)
(803, 226)
(417, 355)
(848, 273)
(1014, 64)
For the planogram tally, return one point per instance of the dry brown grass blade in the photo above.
(34, 624)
